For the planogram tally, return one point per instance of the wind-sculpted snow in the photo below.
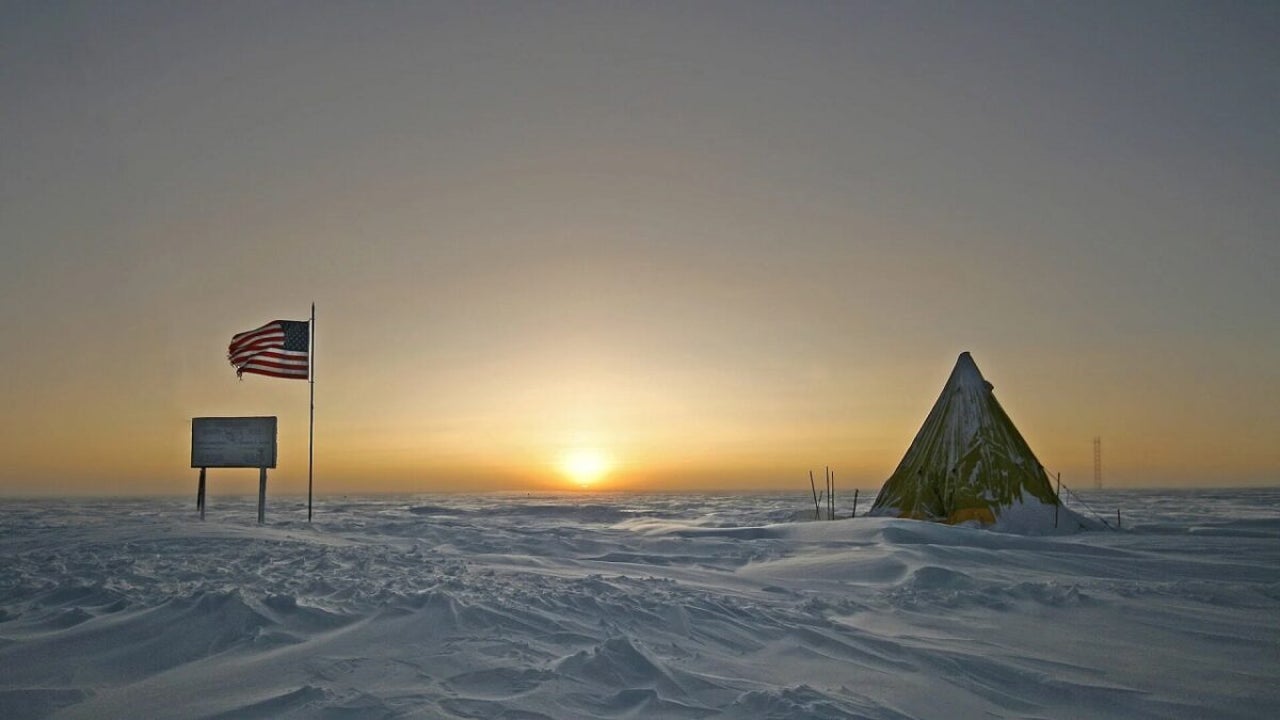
(509, 606)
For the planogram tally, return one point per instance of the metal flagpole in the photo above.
(311, 433)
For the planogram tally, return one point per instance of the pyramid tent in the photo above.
(968, 462)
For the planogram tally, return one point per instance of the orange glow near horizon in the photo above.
(585, 466)
(624, 277)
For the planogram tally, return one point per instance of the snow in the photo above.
(635, 606)
(1029, 516)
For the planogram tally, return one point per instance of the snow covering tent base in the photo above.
(968, 462)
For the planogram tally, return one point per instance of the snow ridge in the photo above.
(694, 606)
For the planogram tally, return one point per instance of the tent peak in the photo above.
(966, 373)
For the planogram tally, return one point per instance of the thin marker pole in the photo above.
(311, 431)
(817, 514)
(1057, 500)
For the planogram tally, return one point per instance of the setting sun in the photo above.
(585, 465)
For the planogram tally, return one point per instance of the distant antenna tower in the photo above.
(1097, 463)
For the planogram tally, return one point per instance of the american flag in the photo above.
(278, 349)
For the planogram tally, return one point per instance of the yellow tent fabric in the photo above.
(967, 462)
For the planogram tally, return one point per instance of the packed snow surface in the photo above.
(637, 606)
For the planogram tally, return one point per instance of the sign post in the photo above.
(234, 442)
(262, 494)
(200, 495)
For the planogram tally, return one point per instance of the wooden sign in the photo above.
(245, 442)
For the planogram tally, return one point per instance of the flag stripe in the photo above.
(271, 328)
(277, 360)
(258, 341)
(269, 352)
(273, 340)
(272, 372)
(283, 367)
(271, 359)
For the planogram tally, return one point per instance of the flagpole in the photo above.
(311, 432)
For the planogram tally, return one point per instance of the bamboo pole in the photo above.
(817, 514)
(1057, 500)
(831, 494)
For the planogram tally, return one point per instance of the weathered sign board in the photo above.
(239, 442)
(234, 442)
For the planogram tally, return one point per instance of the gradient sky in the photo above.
(723, 244)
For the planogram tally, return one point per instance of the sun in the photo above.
(585, 465)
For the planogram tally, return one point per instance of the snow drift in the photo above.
(630, 607)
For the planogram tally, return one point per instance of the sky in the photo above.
(667, 245)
